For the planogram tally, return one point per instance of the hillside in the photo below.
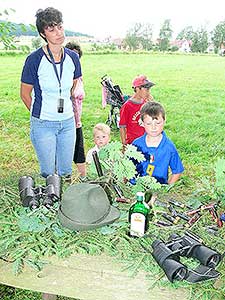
(30, 30)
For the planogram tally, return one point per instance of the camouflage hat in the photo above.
(86, 206)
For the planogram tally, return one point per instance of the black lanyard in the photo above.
(59, 77)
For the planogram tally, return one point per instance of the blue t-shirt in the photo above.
(158, 159)
(38, 71)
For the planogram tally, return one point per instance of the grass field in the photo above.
(190, 87)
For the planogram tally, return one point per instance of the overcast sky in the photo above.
(103, 18)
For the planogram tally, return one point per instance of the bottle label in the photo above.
(137, 224)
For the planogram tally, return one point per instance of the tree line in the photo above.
(141, 36)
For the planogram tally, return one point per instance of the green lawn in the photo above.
(191, 88)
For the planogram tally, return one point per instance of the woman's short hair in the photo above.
(47, 17)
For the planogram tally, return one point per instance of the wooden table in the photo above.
(88, 278)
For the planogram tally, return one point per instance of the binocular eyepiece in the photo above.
(168, 261)
(31, 196)
(167, 255)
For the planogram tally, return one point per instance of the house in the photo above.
(182, 45)
(185, 46)
(222, 49)
(210, 48)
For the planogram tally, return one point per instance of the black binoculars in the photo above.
(31, 196)
(167, 255)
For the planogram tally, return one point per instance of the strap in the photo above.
(58, 76)
(202, 273)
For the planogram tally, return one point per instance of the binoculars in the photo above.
(167, 255)
(31, 196)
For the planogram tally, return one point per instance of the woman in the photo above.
(48, 79)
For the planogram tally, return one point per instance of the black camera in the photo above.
(61, 105)
(167, 255)
(31, 196)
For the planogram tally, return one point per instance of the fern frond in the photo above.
(124, 169)
(131, 152)
(18, 266)
(146, 183)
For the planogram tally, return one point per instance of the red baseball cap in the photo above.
(142, 81)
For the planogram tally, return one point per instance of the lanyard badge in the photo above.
(150, 167)
(60, 106)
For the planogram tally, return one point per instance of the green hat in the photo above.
(86, 206)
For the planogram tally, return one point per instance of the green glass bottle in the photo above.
(138, 216)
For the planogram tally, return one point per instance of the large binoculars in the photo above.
(31, 196)
(167, 255)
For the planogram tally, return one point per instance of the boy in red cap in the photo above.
(130, 127)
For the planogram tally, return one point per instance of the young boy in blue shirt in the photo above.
(159, 151)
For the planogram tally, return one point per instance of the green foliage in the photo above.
(6, 28)
(165, 35)
(199, 41)
(211, 188)
(24, 49)
(186, 34)
(118, 164)
(131, 42)
(145, 184)
(110, 47)
(34, 222)
(118, 167)
(18, 266)
(28, 30)
(9, 30)
(139, 36)
(173, 48)
(37, 42)
(191, 88)
(218, 35)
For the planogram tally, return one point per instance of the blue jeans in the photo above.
(54, 143)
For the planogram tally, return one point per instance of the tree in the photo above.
(6, 28)
(146, 38)
(9, 30)
(218, 35)
(200, 41)
(140, 35)
(165, 35)
(132, 39)
(186, 34)
(37, 42)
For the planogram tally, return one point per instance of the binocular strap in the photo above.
(201, 273)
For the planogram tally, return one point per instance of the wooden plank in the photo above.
(87, 278)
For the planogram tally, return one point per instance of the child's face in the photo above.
(153, 127)
(145, 93)
(101, 139)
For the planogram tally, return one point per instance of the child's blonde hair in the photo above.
(101, 127)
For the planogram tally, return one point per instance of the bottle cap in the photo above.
(140, 196)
